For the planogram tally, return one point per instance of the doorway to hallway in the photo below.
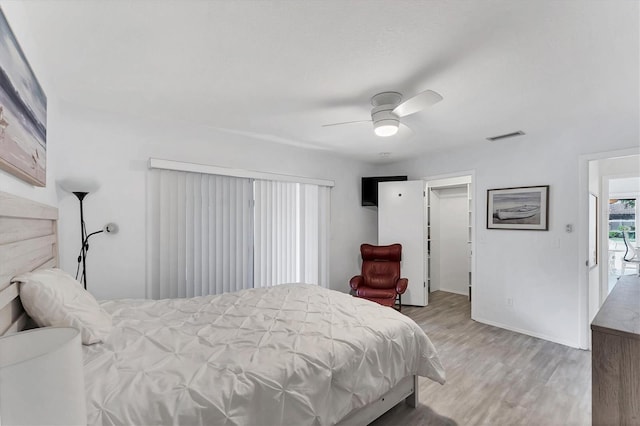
(615, 183)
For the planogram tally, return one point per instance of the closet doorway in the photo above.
(449, 236)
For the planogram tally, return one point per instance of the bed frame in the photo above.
(406, 389)
(28, 241)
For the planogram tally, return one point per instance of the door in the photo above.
(401, 219)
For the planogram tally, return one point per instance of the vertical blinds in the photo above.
(201, 234)
(207, 236)
(277, 246)
(291, 229)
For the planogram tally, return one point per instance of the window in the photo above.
(622, 217)
(210, 234)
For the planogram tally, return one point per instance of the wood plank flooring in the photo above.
(494, 376)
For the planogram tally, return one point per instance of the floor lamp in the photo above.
(83, 237)
(81, 188)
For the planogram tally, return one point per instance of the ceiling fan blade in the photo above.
(404, 131)
(346, 122)
(417, 103)
(270, 138)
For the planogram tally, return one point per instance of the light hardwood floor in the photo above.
(494, 376)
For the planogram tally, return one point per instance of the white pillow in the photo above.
(53, 298)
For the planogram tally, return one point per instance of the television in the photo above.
(370, 188)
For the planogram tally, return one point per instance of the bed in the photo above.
(289, 354)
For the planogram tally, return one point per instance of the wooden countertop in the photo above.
(620, 312)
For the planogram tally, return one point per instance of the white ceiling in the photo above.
(281, 69)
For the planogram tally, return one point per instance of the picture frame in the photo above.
(518, 208)
(23, 113)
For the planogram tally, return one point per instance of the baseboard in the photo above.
(454, 291)
(528, 333)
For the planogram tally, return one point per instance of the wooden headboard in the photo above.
(28, 241)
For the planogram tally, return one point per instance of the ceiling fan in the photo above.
(388, 109)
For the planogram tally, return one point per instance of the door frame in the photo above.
(474, 221)
(583, 236)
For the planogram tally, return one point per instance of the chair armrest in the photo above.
(356, 282)
(401, 285)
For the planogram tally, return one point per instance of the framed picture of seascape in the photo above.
(23, 113)
(525, 208)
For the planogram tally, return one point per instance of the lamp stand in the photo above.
(83, 237)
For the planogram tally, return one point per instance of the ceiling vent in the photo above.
(505, 136)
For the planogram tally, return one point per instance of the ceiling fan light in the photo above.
(385, 128)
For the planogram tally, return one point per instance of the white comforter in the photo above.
(293, 354)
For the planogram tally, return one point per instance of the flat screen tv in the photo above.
(370, 188)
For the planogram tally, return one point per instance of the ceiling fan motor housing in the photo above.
(385, 121)
(383, 115)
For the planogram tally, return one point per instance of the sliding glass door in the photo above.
(211, 234)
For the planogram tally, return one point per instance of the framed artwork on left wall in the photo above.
(23, 113)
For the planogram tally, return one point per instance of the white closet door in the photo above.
(401, 219)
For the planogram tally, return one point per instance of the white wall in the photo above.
(540, 271)
(14, 13)
(114, 151)
(620, 187)
(620, 167)
(453, 235)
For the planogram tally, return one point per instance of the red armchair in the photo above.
(380, 279)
